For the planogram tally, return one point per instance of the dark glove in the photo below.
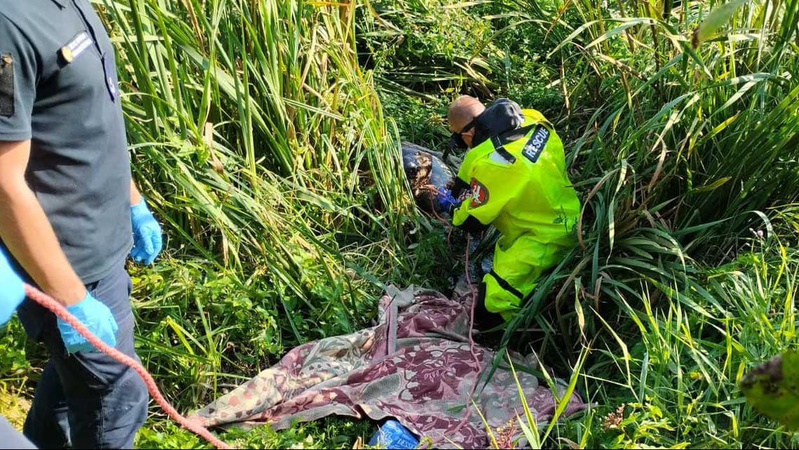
(12, 291)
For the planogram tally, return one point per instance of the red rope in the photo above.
(433, 190)
(471, 341)
(60, 311)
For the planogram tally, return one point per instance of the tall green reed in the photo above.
(264, 150)
(684, 148)
(683, 144)
(255, 133)
(687, 149)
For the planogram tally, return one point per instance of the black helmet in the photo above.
(501, 116)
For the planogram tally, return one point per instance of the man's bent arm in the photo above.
(28, 234)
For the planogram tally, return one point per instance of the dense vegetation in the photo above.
(266, 136)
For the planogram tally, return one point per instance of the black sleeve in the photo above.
(459, 187)
(17, 82)
(472, 225)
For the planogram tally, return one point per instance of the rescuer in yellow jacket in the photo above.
(514, 178)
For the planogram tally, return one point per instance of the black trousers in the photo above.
(86, 400)
(484, 320)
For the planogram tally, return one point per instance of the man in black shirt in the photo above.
(69, 216)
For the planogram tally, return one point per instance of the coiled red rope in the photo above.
(60, 311)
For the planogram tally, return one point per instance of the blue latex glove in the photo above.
(447, 201)
(12, 291)
(97, 318)
(146, 234)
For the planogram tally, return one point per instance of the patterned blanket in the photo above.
(416, 365)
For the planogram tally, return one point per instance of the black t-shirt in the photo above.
(58, 88)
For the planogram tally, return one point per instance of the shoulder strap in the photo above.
(499, 141)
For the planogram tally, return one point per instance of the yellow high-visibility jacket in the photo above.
(519, 184)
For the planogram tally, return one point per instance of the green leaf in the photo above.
(773, 389)
(626, 23)
(712, 186)
(715, 20)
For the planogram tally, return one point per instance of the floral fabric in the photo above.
(416, 365)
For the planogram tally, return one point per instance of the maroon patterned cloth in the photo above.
(415, 366)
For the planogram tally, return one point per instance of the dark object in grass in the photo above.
(426, 173)
(773, 389)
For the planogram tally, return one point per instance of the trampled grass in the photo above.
(266, 136)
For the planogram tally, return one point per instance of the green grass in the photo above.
(678, 152)
(677, 373)
(333, 433)
(271, 154)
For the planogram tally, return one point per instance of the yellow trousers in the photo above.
(517, 267)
